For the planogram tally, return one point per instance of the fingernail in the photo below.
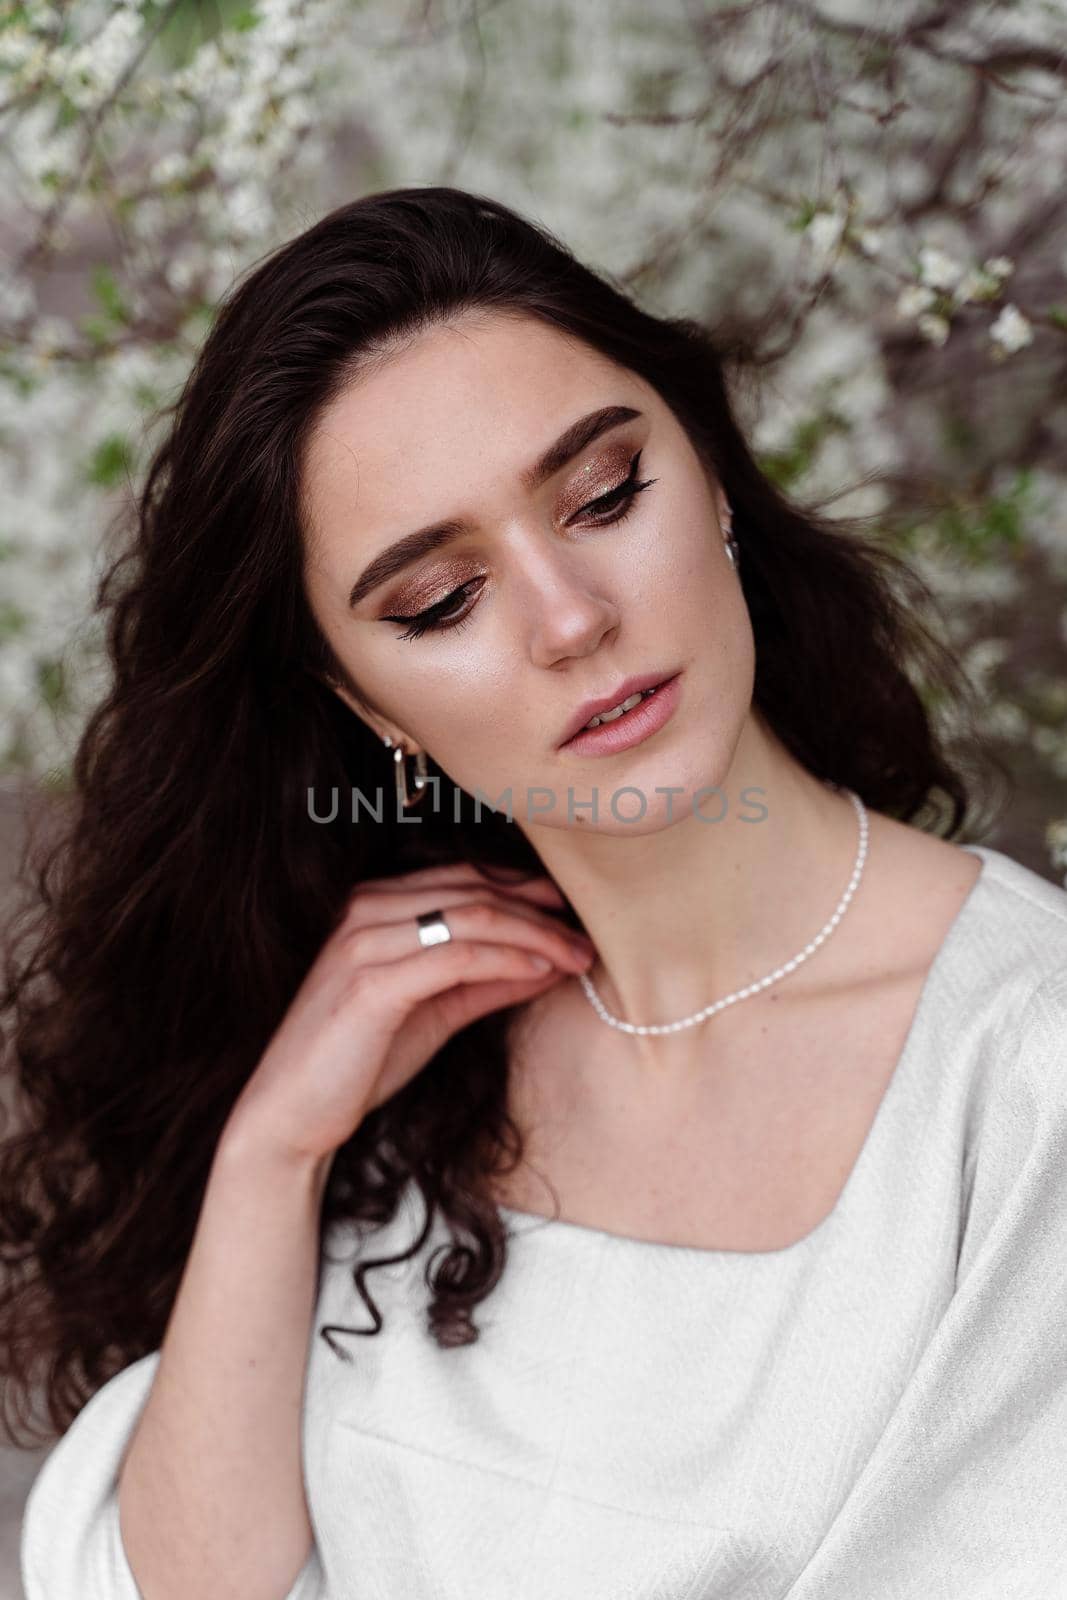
(540, 963)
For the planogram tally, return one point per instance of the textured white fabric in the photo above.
(878, 1412)
(71, 1545)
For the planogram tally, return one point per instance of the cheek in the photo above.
(460, 715)
(684, 560)
(683, 534)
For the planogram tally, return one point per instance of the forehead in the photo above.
(470, 401)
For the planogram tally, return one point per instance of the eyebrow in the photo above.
(571, 442)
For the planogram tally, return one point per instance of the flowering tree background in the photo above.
(874, 196)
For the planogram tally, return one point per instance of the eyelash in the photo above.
(432, 620)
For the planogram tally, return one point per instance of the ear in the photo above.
(376, 723)
(723, 511)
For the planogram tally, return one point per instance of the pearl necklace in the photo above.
(772, 977)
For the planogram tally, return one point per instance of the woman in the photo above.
(793, 1075)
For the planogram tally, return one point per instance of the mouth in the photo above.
(610, 724)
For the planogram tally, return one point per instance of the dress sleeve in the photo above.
(965, 1493)
(71, 1547)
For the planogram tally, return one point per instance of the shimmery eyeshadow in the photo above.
(428, 588)
(597, 478)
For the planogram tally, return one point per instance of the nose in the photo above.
(564, 606)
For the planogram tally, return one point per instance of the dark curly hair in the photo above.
(173, 918)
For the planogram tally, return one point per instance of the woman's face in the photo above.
(569, 580)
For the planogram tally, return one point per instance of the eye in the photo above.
(436, 618)
(607, 509)
(624, 495)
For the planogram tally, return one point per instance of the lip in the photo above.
(631, 728)
(637, 683)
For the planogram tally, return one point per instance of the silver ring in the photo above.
(433, 929)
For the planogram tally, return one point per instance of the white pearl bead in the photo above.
(779, 972)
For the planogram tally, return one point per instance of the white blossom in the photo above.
(18, 296)
(937, 269)
(933, 327)
(175, 164)
(20, 51)
(1050, 743)
(824, 231)
(93, 68)
(266, 127)
(43, 18)
(914, 299)
(981, 660)
(973, 285)
(1011, 331)
(1007, 721)
(999, 266)
(51, 333)
(1056, 839)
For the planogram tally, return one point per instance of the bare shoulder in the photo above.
(916, 884)
(924, 860)
(921, 856)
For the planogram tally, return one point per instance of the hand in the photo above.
(376, 1006)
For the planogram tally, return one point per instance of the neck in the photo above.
(688, 913)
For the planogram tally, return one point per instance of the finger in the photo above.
(460, 872)
(466, 1001)
(487, 923)
(372, 909)
(398, 986)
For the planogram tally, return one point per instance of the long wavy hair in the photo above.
(171, 920)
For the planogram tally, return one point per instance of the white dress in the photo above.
(877, 1412)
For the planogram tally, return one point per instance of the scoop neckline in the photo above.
(895, 1088)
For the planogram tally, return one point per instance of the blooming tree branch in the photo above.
(870, 204)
